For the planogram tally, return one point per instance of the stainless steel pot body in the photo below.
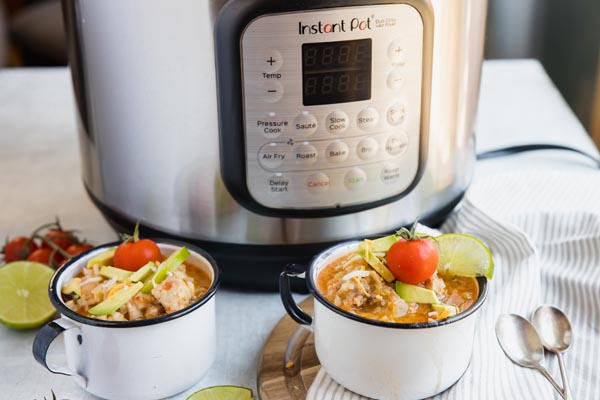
(146, 90)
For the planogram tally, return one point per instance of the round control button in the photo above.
(337, 121)
(390, 173)
(337, 151)
(367, 148)
(271, 91)
(396, 144)
(395, 79)
(317, 183)
(270, 61)
(278, 184)
(271, 155)
(397, 52)
(305, 124)
(396, 114)
(367, 119)
(306, 154)
(272, 126)
(355, 179)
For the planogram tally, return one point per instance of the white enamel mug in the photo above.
(383, 360)
(129, 360)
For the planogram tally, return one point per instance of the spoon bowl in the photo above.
(554, 328)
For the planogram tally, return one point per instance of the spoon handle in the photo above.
(563, 375)
(550, 379)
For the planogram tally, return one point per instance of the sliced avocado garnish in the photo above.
(169, 265)
(117, 274)
(445, 310)
(143, 272)
(383, 244)
(365, 251)
(416, 294)
(115, 302)
(104, 258)
(73, 287)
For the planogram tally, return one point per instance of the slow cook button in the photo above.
(306, 154)
(390, 173)
(367, 148)
(278, 184)
(271, 155)
(396, 114)
(337, 151)
(367, 119)
(396, 144)
(337, 121)
(317, 183)
(272, 126)
(355, 179)
(305, 124)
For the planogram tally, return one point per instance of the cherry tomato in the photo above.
(18, 248)
(43, 256)
(412, 261)
(134, 255)
(76, 249)
(62, 239)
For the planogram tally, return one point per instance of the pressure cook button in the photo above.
(317, 183)
(305, 124)
(278, 184)
(271, 61)
(272, 126)
(367, 119)
(396, 114)
(271, 91)
(390, 173)
(337, 151)
(395, 79)
(337, 121)
(367, 148)
(397, 52)
(306, 154)
(396, 144)
(355, 179)
(271, 155)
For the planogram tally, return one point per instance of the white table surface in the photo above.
(40, 179)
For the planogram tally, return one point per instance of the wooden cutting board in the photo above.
(288, 364)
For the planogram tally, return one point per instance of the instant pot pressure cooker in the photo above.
(266, 130)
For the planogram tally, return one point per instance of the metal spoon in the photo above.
(555, 331)
(522, 345)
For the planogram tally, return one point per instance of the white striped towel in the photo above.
(544, 231)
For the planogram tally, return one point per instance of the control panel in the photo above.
(332, 105)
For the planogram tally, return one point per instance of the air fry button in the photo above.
(317, 183)
(278, 183)
(271, 155)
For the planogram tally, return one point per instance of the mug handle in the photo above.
(297, 314)
(44, 339)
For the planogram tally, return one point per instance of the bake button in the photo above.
(396, 144)
(396, 114)
(271, 61)
(395, 79)
(278, 184)
(337, 151)
(397, 52)
(367, 148)
(390, 173)
(271, 155)
(317, 183)
(305, 124)
(271, 91)
(367, 119)
(306, 154)
(272, 126)
(355, 179)
(337, 121)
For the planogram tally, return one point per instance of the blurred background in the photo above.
(563, 35)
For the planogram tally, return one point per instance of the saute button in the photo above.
(397, 52)
(355, 179)
(317, 183)
(271, 91)
(306, 154)
(367, 119)
(272, 126)
(390, 173)
(278, 184)
(396, 114)
(337, 121)
(305, 124)
(271, 61)
(396, 144)
(395, 79)
(367, 148)
(337, 151)
(271, 155)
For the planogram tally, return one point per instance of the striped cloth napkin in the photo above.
(543, 229)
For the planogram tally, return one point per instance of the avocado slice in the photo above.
(104, 258)
(416, 294)
(117, 274)
(169, 265)
(115, 302)
(143, 272)
(383, 244)
(364, 250)
(445, 310)
(73, 287)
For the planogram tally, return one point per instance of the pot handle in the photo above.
(297, 314)
(44, 339)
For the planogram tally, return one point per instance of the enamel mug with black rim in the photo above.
(129, 360)
(383, 360)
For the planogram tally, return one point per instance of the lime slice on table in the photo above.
(463, 255)
(222, 393)
(24, 301)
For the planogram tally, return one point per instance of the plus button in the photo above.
(271, 61)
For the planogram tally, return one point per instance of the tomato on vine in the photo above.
(134, 252)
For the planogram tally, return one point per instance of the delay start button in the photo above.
(337, 121)
(278, 184)
(317, 183)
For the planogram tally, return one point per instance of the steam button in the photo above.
(337, 121)
(305, 124)
(367, 148)
(272, 155)
(367, 119)
(271, 91)
(317, 183)
(355, 179)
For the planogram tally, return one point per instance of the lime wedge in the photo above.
(24, 301)
(222, 393)
(463, 255)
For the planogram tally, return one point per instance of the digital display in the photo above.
(336, 72)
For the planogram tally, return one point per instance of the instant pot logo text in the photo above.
(355, 24)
